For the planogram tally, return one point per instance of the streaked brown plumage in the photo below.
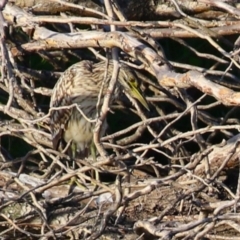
(81, 84)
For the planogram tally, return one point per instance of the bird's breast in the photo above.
(80, 132)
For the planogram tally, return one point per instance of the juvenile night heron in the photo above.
(80, 84)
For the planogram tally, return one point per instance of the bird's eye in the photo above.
(133, 83)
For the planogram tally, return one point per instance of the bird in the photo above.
(78, 88)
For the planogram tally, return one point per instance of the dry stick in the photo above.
(142, 116)
(169, 233)
(55, 160)
(5, 58)
(15, 113)
(11, 130)
(230, 9)
(96, 138)
(232, 224)
(195, 79)
(30, 140)
(22, 102)
(43, 91)
(15, 226)
(110, 211)
(131, 138)
(36, 204)
(208, 106)
(191, 174)
(199, 54)
(8, 231)
(223, 121)
(110, 90)
(140, 34)
(72, 174)
(189, 192)
(75, 218)
(199, 139)
(47, 115)
(186, 135)
(201, 231)
(97, 39)
(3, 24)
(97, 54)
(104, 110)
(181, 115)
(97, 21)
(211, 41)
(85, 9)
(237, 197)
(203, 70)
(208, 38)
(160, 52)
(144, 147)
(129, 45)
(138, 124)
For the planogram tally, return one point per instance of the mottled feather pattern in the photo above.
(81, 84)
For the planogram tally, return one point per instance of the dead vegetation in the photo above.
(169, 173)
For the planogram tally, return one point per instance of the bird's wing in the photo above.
(59, 120)
(65, 93)
(61, 98)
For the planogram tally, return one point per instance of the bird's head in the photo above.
(131, 85)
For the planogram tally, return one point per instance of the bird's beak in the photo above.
(136, 94)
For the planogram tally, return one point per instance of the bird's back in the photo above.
(80, 84)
